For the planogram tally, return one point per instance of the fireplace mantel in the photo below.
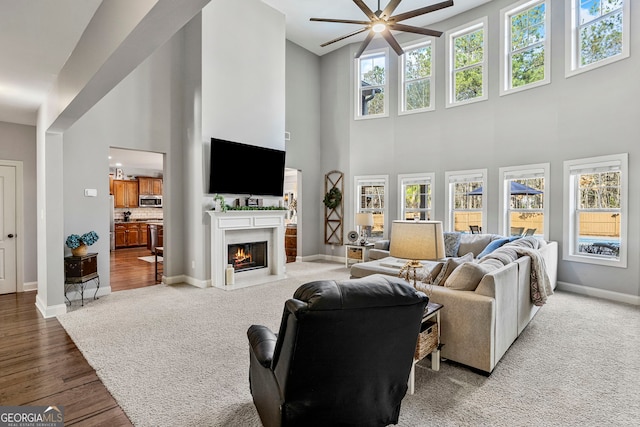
(228, 227)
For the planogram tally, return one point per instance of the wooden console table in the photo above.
(78, 272)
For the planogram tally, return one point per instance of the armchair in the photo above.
(342, 356)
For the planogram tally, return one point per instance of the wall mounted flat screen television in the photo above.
(238, 168)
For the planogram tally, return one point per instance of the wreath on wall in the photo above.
(333, 198)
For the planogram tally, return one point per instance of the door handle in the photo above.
(10, 236)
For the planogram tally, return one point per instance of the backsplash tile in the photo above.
(137, 214)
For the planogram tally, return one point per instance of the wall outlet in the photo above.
(90, 192)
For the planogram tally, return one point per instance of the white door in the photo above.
(8, 266)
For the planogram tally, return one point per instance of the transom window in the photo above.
(525, 42)
(595, 210)
(371, 194)
(371, 75)
(416, 70)
(466, 200)
(416, 196)
(467, 76)
(598, 33)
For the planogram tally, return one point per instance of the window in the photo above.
(466, 200)
(371, 75)
(525, 45)
(597, 33)
(416, 196)
(468, 64)
(524, 200)
(371, 194)
(416, 71)
(595, 211)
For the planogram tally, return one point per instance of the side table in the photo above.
(357, 253)
(428, 341)
(78, 272)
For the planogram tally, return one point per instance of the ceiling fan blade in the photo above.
(417, 30)
(421, 11)
(344, 37)
(363, 7)
(340, 21)
(365, 43)
(392, 41)
(389, 9)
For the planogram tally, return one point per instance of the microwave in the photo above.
(150, 201)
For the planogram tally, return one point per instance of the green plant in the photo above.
(223, 205)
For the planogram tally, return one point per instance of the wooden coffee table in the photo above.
(428, 341)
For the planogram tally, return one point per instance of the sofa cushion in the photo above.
(492, 246)
(467, 276)
(451, 243)
(449, 266)
(475, 243)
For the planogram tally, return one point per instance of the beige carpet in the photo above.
(178, 356)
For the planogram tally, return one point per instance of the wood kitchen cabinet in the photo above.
(129, 234)
(142, 234)
(125, 193)
(149, 186)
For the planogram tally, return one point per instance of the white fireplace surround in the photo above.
(234, 227)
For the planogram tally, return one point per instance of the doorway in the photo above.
(136, 187)
(293, 219)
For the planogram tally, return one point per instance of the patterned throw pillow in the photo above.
(451, 243)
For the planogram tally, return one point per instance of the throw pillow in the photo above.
(467, 276)
(449, 266)
(493, 246)
(451, 243)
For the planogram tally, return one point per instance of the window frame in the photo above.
(572, 39)
(523, 171)
(569, 252)
(429, 179)
(357, 98)
(361, 180)
(483, 24)
(451, 177)
(506, 77)
(402, 110)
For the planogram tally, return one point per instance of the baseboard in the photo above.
(599, 293)
(183, 278)
(29, 286)
(321, 257)
(49, 311)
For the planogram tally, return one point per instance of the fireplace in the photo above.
(247, 256)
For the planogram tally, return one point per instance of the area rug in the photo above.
(150, 258)
(178, 355)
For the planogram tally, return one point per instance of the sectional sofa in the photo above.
(487, 296)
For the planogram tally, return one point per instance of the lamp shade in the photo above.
(417, 240)
(364, 219)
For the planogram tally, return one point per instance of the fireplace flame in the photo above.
(241, 256)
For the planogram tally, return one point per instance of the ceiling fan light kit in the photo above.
(382, 22)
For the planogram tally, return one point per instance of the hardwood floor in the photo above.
(41, 366)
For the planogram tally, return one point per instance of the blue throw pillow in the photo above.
(451, 243)
(493, 246)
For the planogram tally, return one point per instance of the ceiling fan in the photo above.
(382, 22)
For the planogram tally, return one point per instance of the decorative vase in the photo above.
(80, 250)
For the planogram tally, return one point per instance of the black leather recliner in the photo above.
(342, 356)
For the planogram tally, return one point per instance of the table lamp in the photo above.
(415, 241)
(364, 220)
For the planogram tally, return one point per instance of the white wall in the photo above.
(591, 114)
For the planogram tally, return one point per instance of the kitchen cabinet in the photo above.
(128, 235)
(142, 235)
(125, 193)
(149, 186)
